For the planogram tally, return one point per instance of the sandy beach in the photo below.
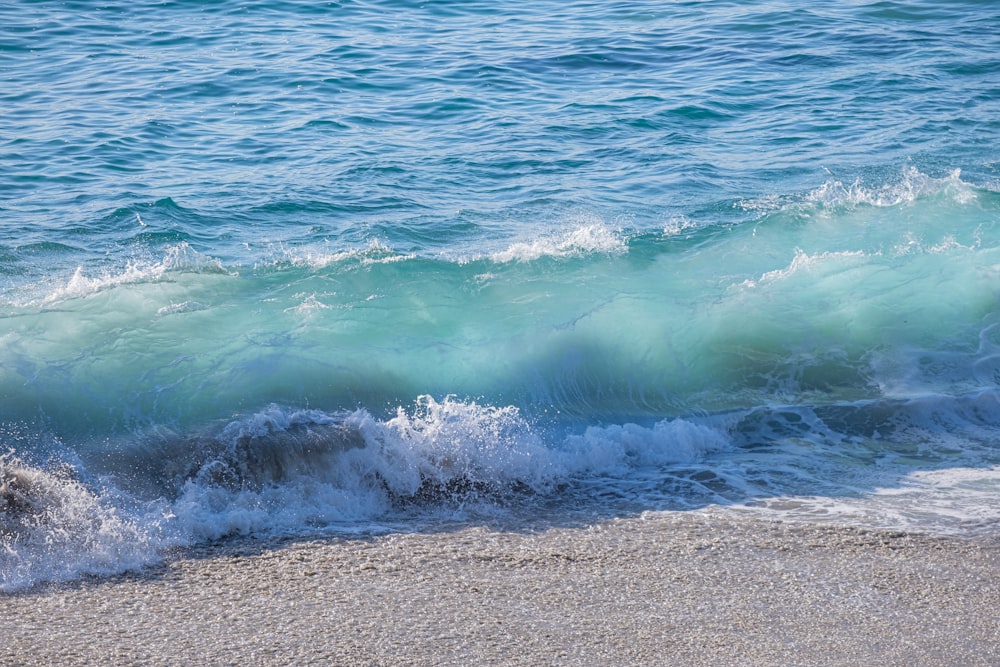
(660, 589)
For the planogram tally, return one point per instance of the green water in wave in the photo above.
(829, 297)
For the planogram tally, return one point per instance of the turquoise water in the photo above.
(292, 266)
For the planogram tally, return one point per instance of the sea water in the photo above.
(276, 267)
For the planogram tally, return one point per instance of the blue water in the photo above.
(281, 267)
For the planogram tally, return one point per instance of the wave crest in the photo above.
(54, 528)
(180, 258)
(910, 186)
(590, 238)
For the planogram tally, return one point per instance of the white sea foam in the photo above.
(465, 456)
(908, 187)
(53, 528)
(182, 307)
(285, 470)
(321, 256)
(911, 185)
(593, 236)
(180, 258)
(678, 225)
(309, 304)
(290, 470)
(802, 262)
(616, 448)
(959, 501)
(948, 244)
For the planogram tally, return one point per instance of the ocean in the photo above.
(286, 267)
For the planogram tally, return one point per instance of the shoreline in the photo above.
(699, 588)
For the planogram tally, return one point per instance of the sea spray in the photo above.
(282, 470)
(53, 527)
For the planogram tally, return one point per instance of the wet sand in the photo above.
(662, 589)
